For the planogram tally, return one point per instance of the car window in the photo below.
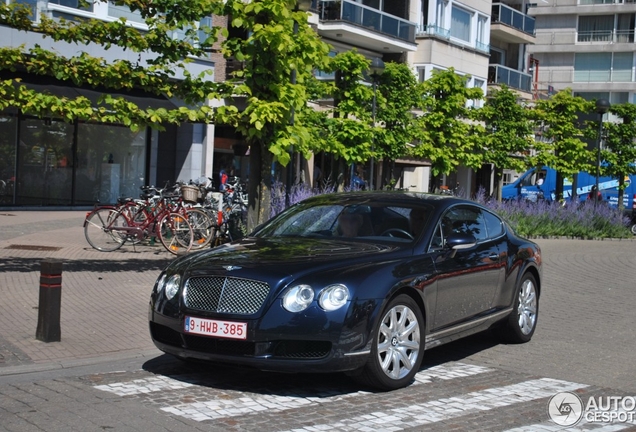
(494, 225)
(364, 221)
(314, 219)
(465, 220)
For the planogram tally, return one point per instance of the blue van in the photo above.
(540, 183)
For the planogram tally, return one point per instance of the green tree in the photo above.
(507, 133)
(620, 149)
(350, 137)
(401, 93)
(445, 132)
(563, 148)
(280, 54)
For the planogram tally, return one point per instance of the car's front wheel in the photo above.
(523, 320)
(398, 346)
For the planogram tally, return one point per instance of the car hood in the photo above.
(285, 256)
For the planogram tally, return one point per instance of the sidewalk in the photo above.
(104, 294)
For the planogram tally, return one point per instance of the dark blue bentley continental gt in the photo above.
(355, 282)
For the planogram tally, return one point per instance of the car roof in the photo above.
(390, 198)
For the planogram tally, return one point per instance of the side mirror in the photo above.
(460, 241)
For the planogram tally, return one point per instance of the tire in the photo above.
(397, 346)
(522, 322)
(633, 229)
(175, 234)
(98, 229)
(202, 227)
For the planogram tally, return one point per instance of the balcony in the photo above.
(438, 32)
(511, 25)
(498, 75)
(364, 26)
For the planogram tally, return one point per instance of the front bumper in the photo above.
(271, 346)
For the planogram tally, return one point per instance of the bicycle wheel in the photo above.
(175, 234)
(98, 229)
(202, 227)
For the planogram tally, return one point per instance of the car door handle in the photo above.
(494, 257)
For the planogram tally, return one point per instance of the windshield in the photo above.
(374, 221)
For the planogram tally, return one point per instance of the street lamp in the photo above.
(301, 5)
(602, 106)
(376, 68)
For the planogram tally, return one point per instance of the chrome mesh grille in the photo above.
(225, 295)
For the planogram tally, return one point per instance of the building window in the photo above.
(440, 13)
(595, 28)
(482, 32)
(477, 83)
(592, 67)
(606, 28)
(625, 28)
(622, 67)
(73, 4)
(124, 11)
(603, 67)
(327, 76)
(460, 24)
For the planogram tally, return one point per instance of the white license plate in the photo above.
(208, 327)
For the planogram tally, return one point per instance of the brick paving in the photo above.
(104, 294)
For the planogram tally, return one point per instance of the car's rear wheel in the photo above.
(398, 346)
(523, 320)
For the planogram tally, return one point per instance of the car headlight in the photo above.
(298, 298)
(172, 286)
(333, 297)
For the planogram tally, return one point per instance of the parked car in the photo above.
(298, 295)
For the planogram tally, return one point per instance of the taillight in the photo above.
(219, 218)
(634, 202)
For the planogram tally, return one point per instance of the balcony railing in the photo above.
(611, 36)
(482, 47)
(433, 30)
(440, 32)
(594, 2)
(498, 74)
(506, 15)
(355, 13)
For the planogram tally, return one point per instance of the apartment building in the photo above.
(585, 45)
(484, 40)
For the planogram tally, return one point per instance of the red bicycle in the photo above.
(107, 228)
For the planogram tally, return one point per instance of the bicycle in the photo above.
(107, 228)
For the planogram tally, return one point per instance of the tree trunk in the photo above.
(621, 192)
(498, 182)
(259, 187)
(559, 187)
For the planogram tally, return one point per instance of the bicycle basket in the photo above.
(190, 193)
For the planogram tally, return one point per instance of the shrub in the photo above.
(572, 219)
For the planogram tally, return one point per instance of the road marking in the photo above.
(146, 385)
(448, 371)
(439, 410)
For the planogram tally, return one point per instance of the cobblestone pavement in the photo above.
(583, 344)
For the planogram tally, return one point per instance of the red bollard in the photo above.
(50, 301)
